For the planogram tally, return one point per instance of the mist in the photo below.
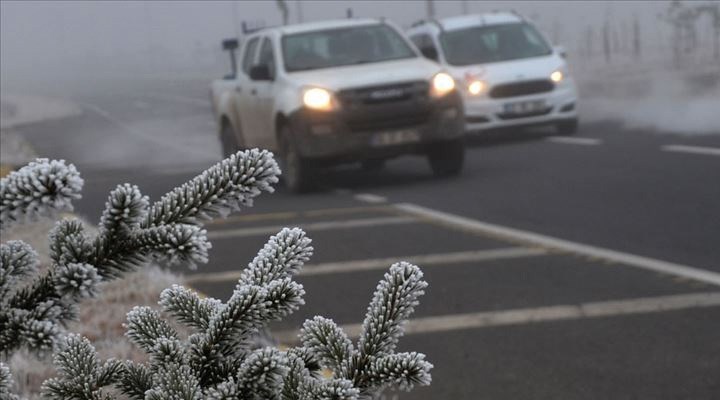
(64, 48)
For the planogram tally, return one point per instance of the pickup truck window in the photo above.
(267, 57)
(249, 55)
(344, 46)
(486, 44)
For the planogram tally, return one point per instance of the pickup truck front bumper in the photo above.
(377, 131)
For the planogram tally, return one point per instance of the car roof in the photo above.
(467, 21)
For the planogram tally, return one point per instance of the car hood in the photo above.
(511, 71)
(371, 74)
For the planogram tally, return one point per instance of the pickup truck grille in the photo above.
(385, 107)
(521, 88)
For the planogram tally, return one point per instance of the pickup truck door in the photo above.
(264, 92)
(244, 99)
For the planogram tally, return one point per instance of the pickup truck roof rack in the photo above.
(252, 27)
(426, 21)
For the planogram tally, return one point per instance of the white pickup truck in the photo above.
(332, 92)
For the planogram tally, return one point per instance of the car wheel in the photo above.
(296, 171)
(229, 140)
(447, 158)
(567, 127)
(373, 165)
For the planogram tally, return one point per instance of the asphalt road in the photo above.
(559, 268)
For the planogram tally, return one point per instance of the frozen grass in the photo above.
(101, 318)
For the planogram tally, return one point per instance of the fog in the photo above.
(58, 46)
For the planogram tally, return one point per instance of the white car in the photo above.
(339, 91)
(508, 73)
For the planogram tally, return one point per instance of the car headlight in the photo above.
(319, 99)
(476, 87)
(442, 84)
(557, 76)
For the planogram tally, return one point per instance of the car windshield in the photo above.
(346, 46)
(486, 44)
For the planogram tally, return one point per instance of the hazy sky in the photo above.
(42, 38)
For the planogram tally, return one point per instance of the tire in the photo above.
(373, 165)
(567, 127)
(229, 140)
(296, 171)
(447, 158)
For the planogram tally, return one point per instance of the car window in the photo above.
(484, 44)
(249, 55)
(422, 40)
(266, 56)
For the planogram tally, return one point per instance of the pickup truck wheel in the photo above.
(373, 164)
(447, 158)
(296, 171)
(229, 141)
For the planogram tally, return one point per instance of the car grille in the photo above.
(385, 107)
(352, 98)
(522, 88)
(524, 115)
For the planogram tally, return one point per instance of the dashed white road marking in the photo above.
(549, 242)
(314, 226)
(444, 259)
(370, 198)
(677, 148)
(525, 316)
(574, 140)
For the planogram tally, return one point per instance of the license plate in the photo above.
(524, 107)
(395, 137)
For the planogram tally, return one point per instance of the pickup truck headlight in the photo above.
(319, 99)
(442, 84)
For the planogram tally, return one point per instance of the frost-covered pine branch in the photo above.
(38, 189)
(217, 361)
(130, 233)
(373, 365)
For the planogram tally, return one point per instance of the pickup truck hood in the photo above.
(372, 74)
(510, 71)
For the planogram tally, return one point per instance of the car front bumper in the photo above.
(485, 113)
(351, 135)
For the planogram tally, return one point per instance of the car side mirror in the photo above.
(560, 50)
(260, 73)
(430, 52)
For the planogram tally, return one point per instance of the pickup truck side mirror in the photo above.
(560, 50)
(260, 73)
(430, 52)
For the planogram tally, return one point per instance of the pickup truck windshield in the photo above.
(345, 46)
(486, 44)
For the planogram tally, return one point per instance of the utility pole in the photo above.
(299, 10)
(636, 37)
(284, 12)
(430, 8)
(464, 7)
